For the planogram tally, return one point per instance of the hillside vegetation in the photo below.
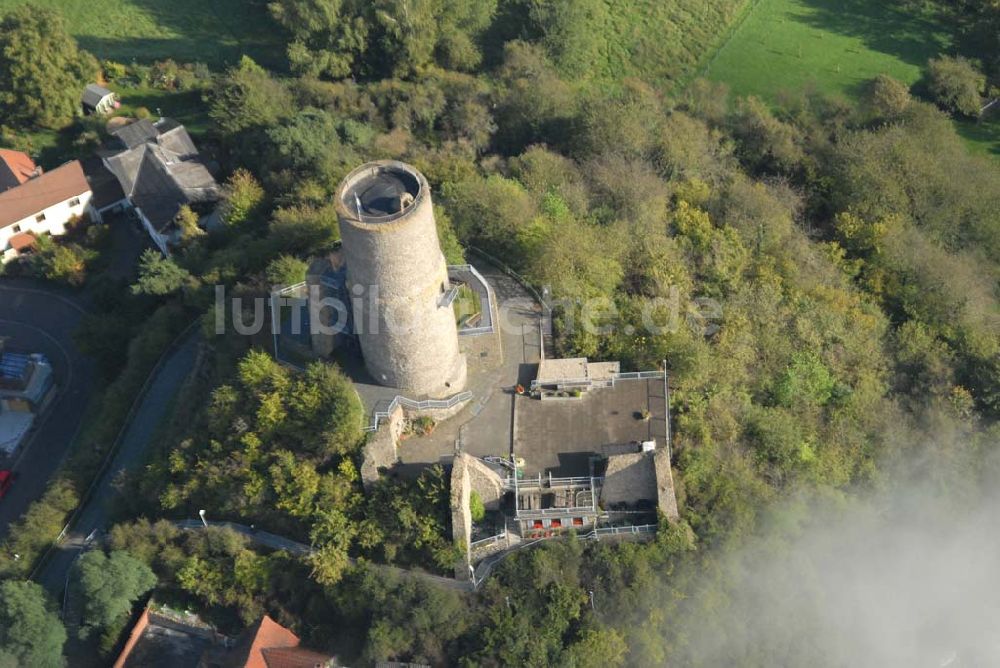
(817, 272)
(836, 47)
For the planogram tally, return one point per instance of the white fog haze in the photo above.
(908, 577)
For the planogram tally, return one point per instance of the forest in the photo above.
(852, 247)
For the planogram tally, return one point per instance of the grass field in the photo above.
(215, 32)
(832, 45)
(835, 46)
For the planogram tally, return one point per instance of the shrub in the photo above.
(956, 84)
(476, 507)
(886, 97)
(113, 70)
(286, 270)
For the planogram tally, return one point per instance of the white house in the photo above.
(43, 205)
(98, 100)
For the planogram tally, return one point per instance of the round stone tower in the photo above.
(397, 279)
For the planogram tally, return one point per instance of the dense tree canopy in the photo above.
(42, 71)
(110, 585)
(387, 37)
(31, 633)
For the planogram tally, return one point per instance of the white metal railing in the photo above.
(540, 482)
(550, 512)
(483, 329)
(634, 529)
(448, 298)
(488, 541)
(412, 404)
(637, 375)
(609, 382)
(473, 331)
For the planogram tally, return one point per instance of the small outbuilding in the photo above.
(98, 100)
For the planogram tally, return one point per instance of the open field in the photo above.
(661, 40)
(835, 46)
(215, 32)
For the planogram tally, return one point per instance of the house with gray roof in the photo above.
(160, 170)
(98, 100)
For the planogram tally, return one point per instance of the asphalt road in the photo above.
(37, 320)
(151, 411)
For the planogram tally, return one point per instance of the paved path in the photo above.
(275, 542)
(40, 320)
(93, 516)
(484, 427)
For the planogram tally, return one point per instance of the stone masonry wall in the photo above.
(380, 451)
(461, 516)
(666, 498)
(469, 474)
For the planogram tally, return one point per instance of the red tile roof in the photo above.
(22, 241)
(294, 657)
(38, 194)
(15, 168)
(265, 634)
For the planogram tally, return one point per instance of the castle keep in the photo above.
(397, 278)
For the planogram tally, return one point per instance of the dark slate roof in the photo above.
(93, 94)
(136, 134)
(162, 173)
(177, 141)
(103, 183)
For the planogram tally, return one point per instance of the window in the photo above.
(74, 202)
(578, 521)
(556, 524)
(17, 228)
(40, 217)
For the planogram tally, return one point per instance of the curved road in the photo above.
(151, 411)
(37, 320)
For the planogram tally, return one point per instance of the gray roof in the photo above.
(177, 141)
(105, 186)
(93, 94)
(136, 133)
(162, 173)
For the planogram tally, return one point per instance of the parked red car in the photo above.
(6, 480)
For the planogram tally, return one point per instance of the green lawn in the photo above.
(835, 46)
(185, 107)
(51, 148)
(215, 32)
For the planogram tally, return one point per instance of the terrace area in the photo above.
(565, 438)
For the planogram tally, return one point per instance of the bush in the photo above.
(113, 70)
(286, 270)
(956, 84)
(422, 425)
(476, 508)
(886, 97)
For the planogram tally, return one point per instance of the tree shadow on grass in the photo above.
(184, 50)
(216, 32)
(887, 26)
(985, 134)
